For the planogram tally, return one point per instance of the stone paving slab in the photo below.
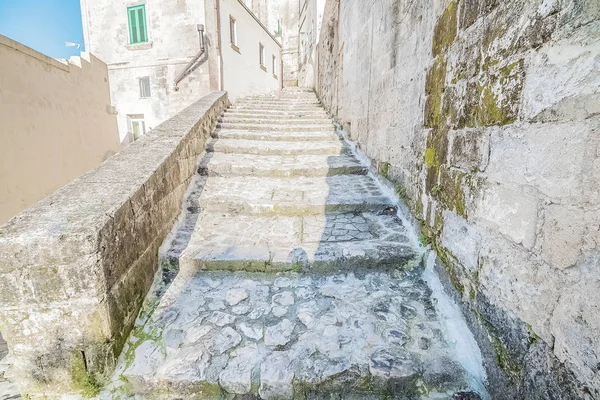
(298, 196)
(281, 243)
(280, 107)
(274, 114)
(279, 121)
(8, 390)
(274, 147)
(299, 136)
(276, 127)
(226, 164)
(216, 335)
(289, 101)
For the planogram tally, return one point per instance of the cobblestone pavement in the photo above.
(290, 275)
(8, 390)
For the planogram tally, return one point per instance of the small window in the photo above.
(261, 54)
(138, 33)
(233, 31)
(144, 87)
(274, 62)
(137, 126)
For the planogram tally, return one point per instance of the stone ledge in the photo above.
(91, 247)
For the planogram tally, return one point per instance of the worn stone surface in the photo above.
(333, 326)
(483, 114)
(301, 286)
(75, 267)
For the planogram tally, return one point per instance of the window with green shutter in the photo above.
(138, 33)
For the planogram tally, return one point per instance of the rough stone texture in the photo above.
(8, 389)
(75, 267)
(334, 327)
(484, 114)
(264, 298)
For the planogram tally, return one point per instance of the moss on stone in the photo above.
(445, 29)
(431, 158)
(81, 379)
(384, 168)
(400, 190)
(450, 193)
(512, 369)
(434, 89)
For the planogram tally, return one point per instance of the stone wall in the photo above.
(311, 17)
(484, 114)
(289, 10)
(75, 267)
(55, 123)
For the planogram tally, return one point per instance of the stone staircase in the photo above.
(290, 275)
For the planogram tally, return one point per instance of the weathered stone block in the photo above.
(462, 240)
(560, 71)
(518, 282)
(75, 267)
(445, 29)
(562, 236)
(549, 157)
(576, 321)
(510, 212)
(469, 149)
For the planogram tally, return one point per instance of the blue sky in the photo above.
(43, 25)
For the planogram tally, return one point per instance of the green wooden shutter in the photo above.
(138, 32)
(142, 24)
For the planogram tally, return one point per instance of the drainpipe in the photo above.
(281, 66)
(218, 40)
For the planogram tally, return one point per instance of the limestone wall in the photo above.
(311, 17)
(75, 267)
(484, 114)
(289, 10)
(55, 123)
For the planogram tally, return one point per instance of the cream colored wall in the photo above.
(242, 74)
(54, 123)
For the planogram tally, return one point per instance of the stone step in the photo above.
(326, 122)
(276, 147)
(284, 97)
(275, 114)
(277, 107)
(354, 335)
(224, 164)
(320, 243)
(276, 127)
(300, 136)
(276, 102)
(299, 196)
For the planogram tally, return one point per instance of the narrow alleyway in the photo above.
(295, 276)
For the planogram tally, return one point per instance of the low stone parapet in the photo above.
(76, 266)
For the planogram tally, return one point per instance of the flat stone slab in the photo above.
(276, 121)
(288, 136)
(280, 243)
(227, 164)
(362, 333)
(281, 196)
(275, 114)
(276, 147)
(253, 126)
(8, 389)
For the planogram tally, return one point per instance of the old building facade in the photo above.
(164, 55)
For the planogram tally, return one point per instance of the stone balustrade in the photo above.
(76, 266)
